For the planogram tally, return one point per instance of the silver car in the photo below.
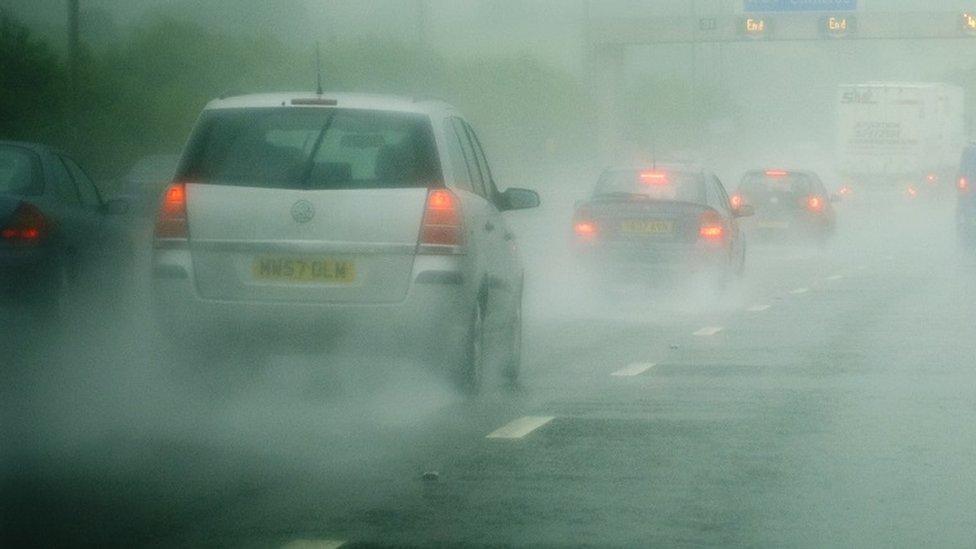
(305, 218)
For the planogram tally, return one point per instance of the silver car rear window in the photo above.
(312, 148)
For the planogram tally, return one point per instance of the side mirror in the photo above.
(519, 199)
(115, 206)
(745, 210)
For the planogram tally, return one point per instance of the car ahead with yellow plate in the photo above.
(640, 224)
(309, 219)
(789, 206)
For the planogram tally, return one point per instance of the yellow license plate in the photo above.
(304, 269)
(647, 226)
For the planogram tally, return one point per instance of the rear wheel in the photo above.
(470, 377)
(513, 360)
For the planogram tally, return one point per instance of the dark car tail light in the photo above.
(27, 226)
(171, 222)
(711, 226)
(584, 229)
(442, 229)
(815, 204)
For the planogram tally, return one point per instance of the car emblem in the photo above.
(302, 211)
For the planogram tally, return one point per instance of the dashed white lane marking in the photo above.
(313, 544)
(520, 427)
(758, 308)
(709, 331)
(634, 369)
(800, 291)
(835, 277)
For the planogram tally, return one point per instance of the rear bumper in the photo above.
(431, 319)
(627, 263)
(17, 259)
(26, 273)
(791, 228)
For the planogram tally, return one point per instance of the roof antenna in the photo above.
(318, 68)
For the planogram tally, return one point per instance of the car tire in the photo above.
(471, 371)
(513, 360)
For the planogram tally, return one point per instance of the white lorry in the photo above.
(903, 137)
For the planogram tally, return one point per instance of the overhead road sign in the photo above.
(798, 5)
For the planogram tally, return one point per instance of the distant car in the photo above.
(145, 182)
(966, 201)
(310, 218)
(54, 224)
(641, 223)
(789, 205)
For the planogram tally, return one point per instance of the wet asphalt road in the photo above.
(830, 400)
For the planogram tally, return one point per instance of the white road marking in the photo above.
(709, 331)
(758, 308)
(799, 291)
(634, 369)
(313, 544)
(835, 277)
(520, 427)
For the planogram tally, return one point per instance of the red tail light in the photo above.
(736, 201)
(815, 204)
(27, 226)
(712, 227)
(442, 230)
(171, 222)
(845, 190)
(912, 192)
(584, 228)
(963, 185)
(931, 178)
(777, 173)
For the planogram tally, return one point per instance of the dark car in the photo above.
(789, 205)
(642, 223)
(54, 224)
(966, 203)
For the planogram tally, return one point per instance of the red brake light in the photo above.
(442, 230)
(711, 226)
(736, 201)
(912, 192)
(845, 190)
(584, 228)
(815, 204)
(171, 222)
(777, 173)
(654, 178)
(963, 184)
(931, 178)
(27, 226)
